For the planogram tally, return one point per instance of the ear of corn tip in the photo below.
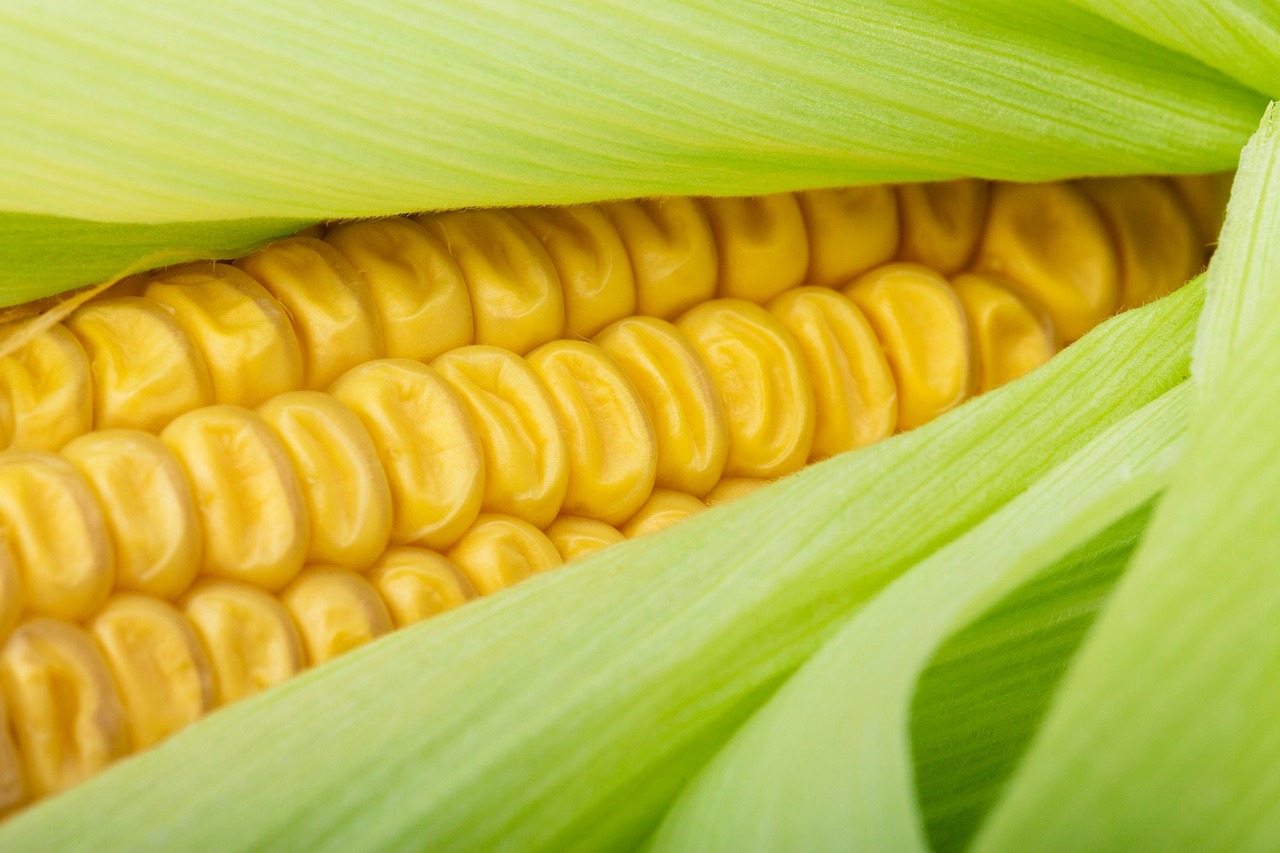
(263, 465)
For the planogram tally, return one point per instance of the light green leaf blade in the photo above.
(1163, 735)
(1240, 38)
(986, 690)
(570, 710)
(41, 255)
(1243, 282)
(829, 757)
(129, 111)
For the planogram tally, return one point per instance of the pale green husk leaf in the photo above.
(1240, 38)
(130, 112)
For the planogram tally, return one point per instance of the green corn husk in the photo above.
(572, 711)
(134, 114)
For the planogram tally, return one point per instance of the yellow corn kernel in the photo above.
(160, 668)
(515, 292)
(1155, 241)
(941, 223)
(850, 231)
(612, 450)
(416, 583)
(417, 288)
(245, 338)
(13, 788)
(922, 325)
(148, 508)
(526, 460)
(1051, 243)
(500, 551)
(330, 306)
(346, 493)
(336, 611)
(853, 388)
(45, 398)
(576, 537)
(591, 262)
(11, 607)
(762, 245)
(672, 252)
(56, 535)
(427, 444)
(67, 718)
(680, 398)
(1205, 197)
(145, 369)
(250, 638)
(248, 502)
(764, 386)
(731, 488)
(1011, 336)
(663, 509)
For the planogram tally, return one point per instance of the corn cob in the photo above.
(220, 474)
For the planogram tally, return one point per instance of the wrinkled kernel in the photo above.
(672, 252)
(576, 537)
(526, 459)
(248, 502)
(45, 398)
(245, 338)
(1051, 243)
(855, 395)
(416, 584)
(67, 718)
(346, 493)
(427, 444)
(1205, 197)
(336, 611)
(764, 386)
(250, 638)
(148, 508)
(612, 450)
(922, 325)
(13, 788)
(1011, 336)
(515, 290)
(330, 306)
(56, 535)
(417, 288)
(761, 243)
(160, 668)
(500, 551)
(145, 369)
(680, 398)
(591, 262)
(1155, 241)
(850, 230)
(942, 222)
(663, 509)
(732, 488)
